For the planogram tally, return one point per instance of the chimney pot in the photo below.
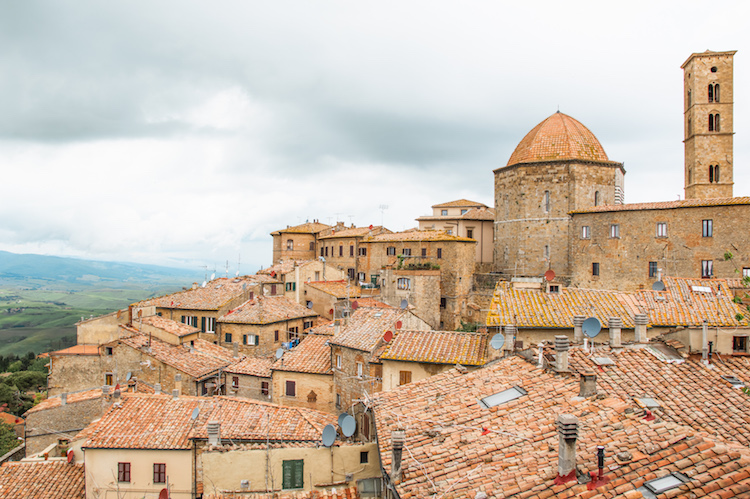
(214, 433)
(587, 385)
(578, 328)
(157, 388)
(510, 337)
(235, 350)
(175, 394)
(615, 332)
(567, 430)
(397, 442)
(641, 321)
(562, 345)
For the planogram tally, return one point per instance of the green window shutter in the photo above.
(257, 340)
(244, 339)
(293, 474)
(203, 324)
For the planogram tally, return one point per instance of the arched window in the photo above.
(710, 122)
(690, 127)
(711, 173)
(716, 93)
(546, 201)
(717, 123)
(289, 244)
(716, 173)
(710, 92)
(690, 99)
(597, 199)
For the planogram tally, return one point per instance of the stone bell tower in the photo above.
(709, 125)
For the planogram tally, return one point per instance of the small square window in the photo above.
(264, 388)
(585, 232)
(661, 229)
(227, 337)
(595, 268)
(235, 382)
(108, 350)
(291, 388)
(470, 233)
(406, 252)
(364, 457)
(443, 213)
(614, 230)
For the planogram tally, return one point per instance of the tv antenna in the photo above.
(237, 274)
(382, 209)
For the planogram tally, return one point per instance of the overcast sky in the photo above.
(183, 133)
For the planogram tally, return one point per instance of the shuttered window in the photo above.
(293, 474)
(404, 377)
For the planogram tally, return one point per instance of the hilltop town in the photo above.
(561, 343)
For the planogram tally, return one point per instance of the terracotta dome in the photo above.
(559, 137)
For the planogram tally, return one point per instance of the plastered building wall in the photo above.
(305, 383)
(72, 373)
(266, 332)
(392, 371)
(101, 329)
(224, 470)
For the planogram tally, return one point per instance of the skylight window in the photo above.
(665, 483)
(734, 381)
(648, 403)
(502, 397)
(702, 289)
(603, 361)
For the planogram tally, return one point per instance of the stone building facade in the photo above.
(343, 247)
(74, 369)
(709, 124)
(559, 166)
(298, 242)
(419, 288)
(632, 246)
(294, 274)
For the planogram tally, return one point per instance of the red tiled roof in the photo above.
(337, 289)
(284, 266)
(438, 347)
(10, 419)
(45, 479)
(78, 350)
(168, 325)
(418, 235)
(216, 294)
(472, 214)
(355, 232)
(557, 138)
(163, 422)
(312, 355)
(455, 448)
(331, 493)
(251, 366)
(460, 203)
(366, 326)
(203, 359)
(324, 328)
(689, 393)
(678, 305)
(72, 398)
(266, 310)
(665, 205)
(305, 228)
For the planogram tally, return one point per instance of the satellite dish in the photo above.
(658, 286)
(130, 375)
(549, 275)
(341, 418)
(204, 284)
(329, 435)
(497, 341)
(70, 456)
(309, 304)
(348, 425)
(399, 324)
(279, 353)
(591, 327)
(355, 305)
(213, 276)
(194, 415)
(404, 304)
(164, 494)
(388, 336)
(330, 311)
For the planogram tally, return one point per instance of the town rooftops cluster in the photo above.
(438, 347)
(213, 296)
(266, 310)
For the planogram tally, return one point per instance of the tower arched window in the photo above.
(710, 122)
(711, 173)
(690, 99)
(716, 93)
(547, 203)
(597, 198)
(716, 173)
(717, 123)
(710, 92)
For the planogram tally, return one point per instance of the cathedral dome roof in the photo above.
(559, 137)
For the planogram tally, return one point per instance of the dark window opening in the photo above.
(291, 388)
(123, 472)
(440, 252)
(364, 457)
(351, 250)
(716, 93)
(652, 269)
(160, 473)
(390, 251)
(739, 344)
(235, 382)
(597, 199)
(714, 69)
(595, 268)
(264, 388)
(424, 252)
(227, 337)
(710, 93)
(293, 475)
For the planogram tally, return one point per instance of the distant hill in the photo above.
(41, 270)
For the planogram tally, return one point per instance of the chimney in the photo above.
(157, 388)
(510, 337)
(63, 398)
(105, 389)
(615, 332)
(336, 327)
(578, 328)
(562, 345)
(704, 342)
(567, 432)
(397, 441)
(175, 394)
(178, 383)
(641, 320)
(214, 433)
(195, 285)
(235, 350)
(588, 385)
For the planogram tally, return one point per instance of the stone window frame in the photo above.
(443, 213)
(595, 269)
(614, 231)
(403, 283)
(585, 232)
(661, 229)
(653, 269)
(713, 174)
(707, 227)
(290, 244)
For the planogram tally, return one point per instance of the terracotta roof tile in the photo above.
(10, 419)
(202, 359)
(163, 422)
(666, 205)
(330, 493)
(72, 398)
(312, 355)
(689, 393)
(305, 228)
(285, 266)
(366, 327)
(45, 479)
(168, 325)
(266, 310)
(678, 305)
(216, 294)
(438, 347)
(418, 235)
(78, 350)
(355, 232)
(455, 448)
(251, 366)
(337, 289)
(460, 203)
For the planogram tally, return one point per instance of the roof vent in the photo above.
(567, 431)
(214, 433)
(562, 345)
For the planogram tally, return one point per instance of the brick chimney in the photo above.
(578, 328)
(157, 388)
(615, 332)
(641, 321)
(562, 345)
(178, 383)
(588, 384)
(567, 432)
(235, 350)
(397, 441)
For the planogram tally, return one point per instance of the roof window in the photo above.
(701, 289)
(663, 484)
(734, 381)
(502, 397)
(603, 361)
(648, 403)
